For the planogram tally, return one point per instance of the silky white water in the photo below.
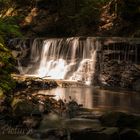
(66, 59)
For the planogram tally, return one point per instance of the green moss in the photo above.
(7, 84)
(6, 67)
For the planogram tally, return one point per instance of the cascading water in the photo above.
(67, 58)
(101, 61)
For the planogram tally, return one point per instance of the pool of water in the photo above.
(100, 99)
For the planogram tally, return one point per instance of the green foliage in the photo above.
(8, 24)
(6, 66)
(8, 27)
(88, 14)
(72, 17)
(130, 10)
(5, 2)
(6, 83)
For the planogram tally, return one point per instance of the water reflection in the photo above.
(98, 99)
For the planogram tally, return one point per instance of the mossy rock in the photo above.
(21, 107)
(6, 83)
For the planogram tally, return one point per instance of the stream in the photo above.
(94, 102)
(98, 99)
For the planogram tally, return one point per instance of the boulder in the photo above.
(89, 134)
(51, 121)
(130, 134)
(81, 124)
(120, 119)
(21, 107)
(136, 85)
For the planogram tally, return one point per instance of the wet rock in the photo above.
(110, 119)
(118, 70)
(51, 121)
(36, 112)
(71, 108)
(35, 83)
(21, 107)
(28, 83)
(20, 85)
(120, 119)
(16, 53)
(12, 137)
(130, 134)
(56, 134)
(31, 121)
(80, 124)
(136, 85)
(89, 134)
(59, 128)
(4, 103)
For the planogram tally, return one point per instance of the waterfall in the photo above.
(104, 61)
(65, 58)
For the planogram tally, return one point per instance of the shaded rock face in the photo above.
(120, 65)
